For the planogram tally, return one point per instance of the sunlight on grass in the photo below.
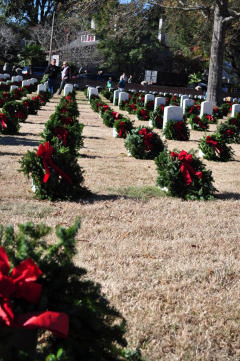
(143, 193)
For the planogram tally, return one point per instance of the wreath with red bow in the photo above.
(143, 143)
(183, 175)
(215, 148)
(176, 130)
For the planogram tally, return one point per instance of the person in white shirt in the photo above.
(64, 76)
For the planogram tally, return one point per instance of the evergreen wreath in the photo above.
(176, 130)
(55, 173)
(60, 133)
(131, 108)
(174, 100)
(183, 175)
(109, 117)
(143, 143)
(8, 124)
(143, 114)
(68, 105)
(234, 121)
(123, 104)
(96, 104)
(31, 106)
(198, 124)
(123, 126)
(88, 327)
(217, 112)
(103, 109)
(214, 148)
(108, 94)
(211, 119)
(4, 87)
(192, 110)
(16, 110)
(228, 133)
(2, 102)
(157, 117)
(149, 105)
(225, 108)
(140, 100)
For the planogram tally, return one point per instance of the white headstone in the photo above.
(182, 99)
(92, 91)
(25, 82)
(68, 88)
(115, 96)
(19, 78)
(6, 76)
(41, 88)
(206, 108)
(1, 76)
(14, 78)
(172, 112)
(122, 96)
(187, 103)
(148, 97)
(12, 87)
(235, 109)
(159, 101)
(33, 80)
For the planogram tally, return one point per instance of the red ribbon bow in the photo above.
(210, 118)
(20, 283)
(186, 167)
(229, 133)
(3, 120)
(144, 114)
(216, 146)
(179, 130)
(105, 107)
(45, 152)
(147, 139)
(62, 134)
(233, 121)
(19, 115)
(115, 115)
(67, 120)
(196, 120)
(122, 130)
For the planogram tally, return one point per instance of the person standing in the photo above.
(64, 76)
(122, 82)
(52, 71)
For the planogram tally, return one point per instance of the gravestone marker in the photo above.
(172, 112)
(206, 108)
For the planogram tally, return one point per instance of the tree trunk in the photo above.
(214, 90)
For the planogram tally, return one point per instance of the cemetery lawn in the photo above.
(171, 267)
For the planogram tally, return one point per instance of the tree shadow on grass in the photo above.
(228, 196)
(89, 156)
(16, 141)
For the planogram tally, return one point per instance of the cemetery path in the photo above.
(170, 267)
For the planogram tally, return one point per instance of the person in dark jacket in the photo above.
(52, 71)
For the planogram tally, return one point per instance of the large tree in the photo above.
(127, 36)
(33, 12)
(224, 13)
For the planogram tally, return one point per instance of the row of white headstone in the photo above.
(171, 112)
(175, 112)
(68, 88)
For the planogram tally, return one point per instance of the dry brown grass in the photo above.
(171, 267)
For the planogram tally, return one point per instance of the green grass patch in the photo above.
(143, 193)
